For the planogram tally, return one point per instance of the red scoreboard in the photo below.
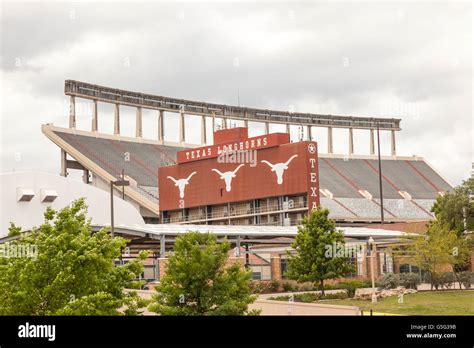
(238, 168)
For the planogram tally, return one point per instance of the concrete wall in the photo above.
(30, 213)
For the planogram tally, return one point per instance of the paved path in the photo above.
(270, 307)
(275, 294)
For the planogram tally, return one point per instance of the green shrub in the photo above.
(388, 281)
(410, 280)
(466, 278)
(279, 298)
(335, 296)
(307, 287)
(307, 297)
(289, 287)
(274, 285)
(329, 287)
(435, 280)
(447, 279)
(351, 285)
(311, 297)
(264, 286)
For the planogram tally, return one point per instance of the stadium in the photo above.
(175, 187)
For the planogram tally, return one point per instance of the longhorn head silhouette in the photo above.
(181, 183)
(279, 168)
(227, 176)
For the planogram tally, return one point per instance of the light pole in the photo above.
(112, 184)
(380, 175)
(371, 245)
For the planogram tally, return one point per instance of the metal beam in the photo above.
(113, 95)
(70, 164)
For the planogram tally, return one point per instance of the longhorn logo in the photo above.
(279, 168)
(181, 183)
(227, 176)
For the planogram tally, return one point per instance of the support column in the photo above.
(275, 266)
(351, 141)
(267, 127)
(372, 142)
(203, 130)
(375, 254)
(330, 147)
(246, 124)
(72, 112)
(85, 176)
(224, 123)
(94, 117)
(162, 265)
(138, 123)
(238, 246)
(288, 128)
(213, 123)
(310, 136)
(63, 163)
(393, 145)
(182, 127)
(117, 119)
(162, 246)
(161, 126)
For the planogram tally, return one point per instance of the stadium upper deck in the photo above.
(348, 184)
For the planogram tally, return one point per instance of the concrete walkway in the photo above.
(275, 294)
(270, 307)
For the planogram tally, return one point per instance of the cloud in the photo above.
(411, 61)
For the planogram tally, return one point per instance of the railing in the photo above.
(117, 96)
(236, 213)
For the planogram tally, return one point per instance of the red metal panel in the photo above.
(230, 135)
(313, 175)
(254, 143)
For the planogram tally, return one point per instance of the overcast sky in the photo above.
(410, 61)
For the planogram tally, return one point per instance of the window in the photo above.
(407, 268)
(284, 267)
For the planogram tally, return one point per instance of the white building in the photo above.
(24, 197)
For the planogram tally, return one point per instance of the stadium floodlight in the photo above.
(120, 183)
(380, 175)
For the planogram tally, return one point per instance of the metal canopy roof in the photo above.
(156, 231)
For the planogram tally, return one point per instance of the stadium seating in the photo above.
(343, 178)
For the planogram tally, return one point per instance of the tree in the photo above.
(454, 211)
(312, 262)
(438, 248)
(198, 282)
(452, 208)
(72, 272)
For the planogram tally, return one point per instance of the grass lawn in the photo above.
(421, 303)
